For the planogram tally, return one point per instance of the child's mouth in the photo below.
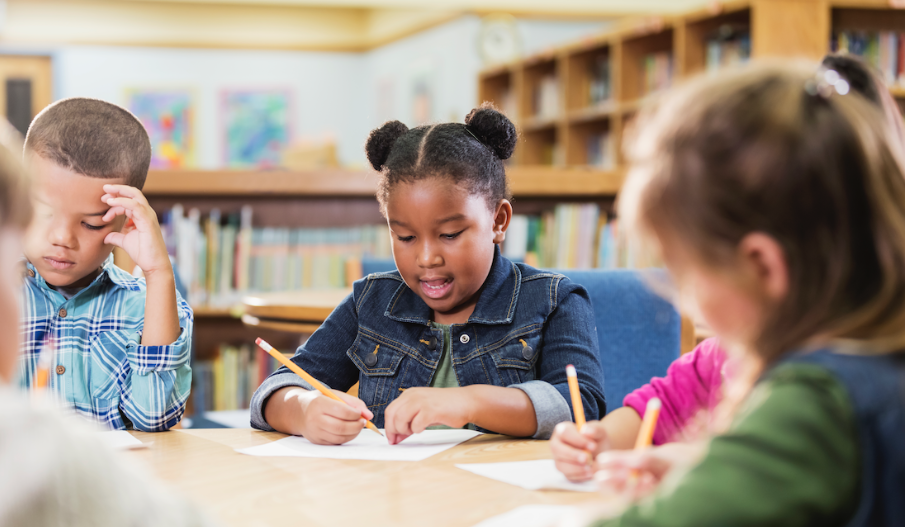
(436, 288)
(59, 265)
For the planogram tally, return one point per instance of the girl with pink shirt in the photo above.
(691, 386)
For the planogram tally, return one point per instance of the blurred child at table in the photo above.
(459, 335)
(121, 344)
(692, 386)
(777, 200)
(53, 470)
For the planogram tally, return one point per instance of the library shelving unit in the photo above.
(560, 131)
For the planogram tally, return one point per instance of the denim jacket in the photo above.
(527, 326)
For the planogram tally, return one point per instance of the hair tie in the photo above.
(825, 82)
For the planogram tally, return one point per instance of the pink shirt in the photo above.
(692, 384)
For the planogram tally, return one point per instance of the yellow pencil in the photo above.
(304, 375)
(577, 406)
(45, 358)
(648, 424)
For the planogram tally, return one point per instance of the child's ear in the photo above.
(766, 260)
(501, 219)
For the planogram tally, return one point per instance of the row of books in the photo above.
(885, 50)
(728, 47)
(600, 150)
(658, 72)
(546, 98)
(571, 236)
(228, 381)
(222, 257)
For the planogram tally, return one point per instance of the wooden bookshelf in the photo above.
(776, 28)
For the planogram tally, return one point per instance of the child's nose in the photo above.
(428, 256)
(61, 234)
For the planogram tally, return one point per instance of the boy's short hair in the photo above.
(92, 137)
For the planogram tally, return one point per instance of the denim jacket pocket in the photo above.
(515, 360)
(377, 363)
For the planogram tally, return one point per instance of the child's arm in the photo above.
(575, 452)
(154, 393)
(286, 403)
(145, 245)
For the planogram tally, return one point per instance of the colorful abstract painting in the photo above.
(256, 127)
(168, 118)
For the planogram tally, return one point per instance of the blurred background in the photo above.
(258, 111)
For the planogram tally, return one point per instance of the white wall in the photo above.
(334, 93)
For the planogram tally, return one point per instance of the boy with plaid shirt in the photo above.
(120, 344)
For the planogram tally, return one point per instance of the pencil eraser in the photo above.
(653, 404)
(570, 371)
(261, 342)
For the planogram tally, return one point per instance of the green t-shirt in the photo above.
(790, 458)
(445, 376)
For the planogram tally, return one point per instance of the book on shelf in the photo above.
(546, 97)
(658, 72)
(884, 50)
(572, 236)
(600, 150)
(728, 46)
(228, 381)
(598, 80)
(222, 257)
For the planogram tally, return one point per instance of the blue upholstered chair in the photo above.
(639, 333)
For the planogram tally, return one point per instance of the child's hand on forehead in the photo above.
(418, 408)
(144, 244)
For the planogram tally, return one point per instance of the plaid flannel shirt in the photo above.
(99, 365)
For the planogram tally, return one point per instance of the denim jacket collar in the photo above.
(496, 305)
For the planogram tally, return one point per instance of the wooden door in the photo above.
(25, 88)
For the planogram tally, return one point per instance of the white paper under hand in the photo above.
(121, 440)
(532, 475)
(367, 446)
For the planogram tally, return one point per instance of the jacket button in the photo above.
(61, 369)
(527, 352)
(432, 343)
(62, 312)
(464, 339)
(371, 360)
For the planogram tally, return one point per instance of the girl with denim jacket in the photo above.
(458, 335)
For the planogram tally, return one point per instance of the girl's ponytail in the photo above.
(381, 142)
(493, 129)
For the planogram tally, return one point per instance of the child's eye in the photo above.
(93, 227)
(405, 238)
(451, 236)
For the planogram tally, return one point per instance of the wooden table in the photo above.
(243, 490)
(295, 311)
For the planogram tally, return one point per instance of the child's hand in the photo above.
(329, 422)
(144, 243)
(639, 472)
(574, 451)
(418, 408)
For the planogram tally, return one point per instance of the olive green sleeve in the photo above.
(790, 458)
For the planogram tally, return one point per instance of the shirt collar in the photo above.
(496, 304)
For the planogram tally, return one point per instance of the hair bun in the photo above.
(493, 129)
(381, 140)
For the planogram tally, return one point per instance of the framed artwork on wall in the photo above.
(168, 116)
(257, 127)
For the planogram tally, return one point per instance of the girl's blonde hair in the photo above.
(774, 149)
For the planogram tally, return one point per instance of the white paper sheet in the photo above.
(121, 440)
(540, 474)
(529, 516)
(368, 446)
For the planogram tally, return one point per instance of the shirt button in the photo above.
(62, 312)
(31, 273)
(432, 343)
(61, 369)
(464, 339)
(371, 360)
(527, 352)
